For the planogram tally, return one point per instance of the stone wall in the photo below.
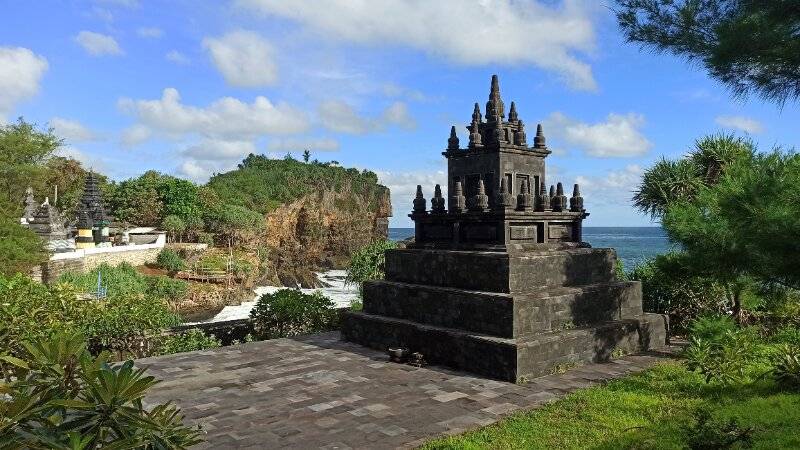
(85, 260)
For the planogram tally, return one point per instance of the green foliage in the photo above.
(786, 370)
(20, 248)
(234, 222)
(166, 288)
(63, 397)
(651, 410)
(24, 151)
(368, 262)
(173, 225)
(261, 184)
(668, 287)
(289, 312)
(712, 328)
(725, 360)
(752, 46)
(188, 341)
(149, 199)
(170, 261)
(710, 434)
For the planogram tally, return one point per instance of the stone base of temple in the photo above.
(505, 316)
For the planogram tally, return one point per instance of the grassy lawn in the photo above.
(654, 409)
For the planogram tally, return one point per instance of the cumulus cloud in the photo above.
(227, 118)
(311, 144)
(403, 185)
(97, 44)
(339, 116)
(619, 136)
(21, 72)
(614, 188)
(135, 135)
(150, 32)
(741, 123)
(244, 59)
(219, 150)
(177, 58)
(510, 32)
(71, 130)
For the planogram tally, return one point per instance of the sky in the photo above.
(190, 88)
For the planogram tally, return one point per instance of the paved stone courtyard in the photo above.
(319, 392)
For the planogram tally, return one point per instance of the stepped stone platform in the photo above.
(517, 316)
(319, 392)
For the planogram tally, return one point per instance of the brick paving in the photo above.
(320, 392)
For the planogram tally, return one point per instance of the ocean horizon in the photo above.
(634, 245)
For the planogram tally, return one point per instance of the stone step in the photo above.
(501, 272)
(507, 359)
(504, 315)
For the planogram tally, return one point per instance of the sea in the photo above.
(633, 245)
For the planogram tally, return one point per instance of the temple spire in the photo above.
(419, 202)
(512, 113)
(458, 203)
(495, 110)
(539, 140)
(475, 139)
(576, 201)
(437, 202)
(452, 142)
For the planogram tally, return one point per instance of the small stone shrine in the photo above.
(499, 282)
(92, 219)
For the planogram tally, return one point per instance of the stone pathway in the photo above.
(319, 392)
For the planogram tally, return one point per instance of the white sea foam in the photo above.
(335, 289)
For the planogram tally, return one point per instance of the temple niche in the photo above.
(498, 280)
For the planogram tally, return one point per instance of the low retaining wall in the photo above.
(85, 260)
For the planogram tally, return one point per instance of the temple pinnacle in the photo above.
(539, 140)
(452, 142)
(495, 110)
(512, 113)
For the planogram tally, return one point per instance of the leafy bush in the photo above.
(786, 370)
(188, 341)
(368, 262)
(668, 289)
(62, 397)
(122, 322)
(712, 328)
(707, 433)
(167, 288)
(170, 261)
(20, 248)
(726, 360)
(290, 312)
(173, 225)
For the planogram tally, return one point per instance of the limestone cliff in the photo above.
(316, 214)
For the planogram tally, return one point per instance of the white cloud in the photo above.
(68, 151)
(195, 171)
(311, 144)
(226, 118)
(618, 136)
(393, 90)
(21, 71)
(613, 189)
(71, 130)
(150, 32)
(219, 150)
(403, 186)
(341, 117)
(177, 57)
(746, 124)
(509, 32)
(244, 58)
(97, 44)
(135, 135)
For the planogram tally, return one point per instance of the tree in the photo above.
(175, 226)
(306, 155)
(24, 150)
(752, 46)
(20, 248)
(137, 200)
(732, 210)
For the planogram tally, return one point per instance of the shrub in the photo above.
(167, 288)
(62, 397)
(707, 433)
(122, 323)
(173, 225)
(725, 360)
(786, 370)
(668, 289)
(188, 341)
(713, 327)
(368, 262)
(170, 261)
(289, 312)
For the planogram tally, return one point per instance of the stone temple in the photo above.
(498, 281)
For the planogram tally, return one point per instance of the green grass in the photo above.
(651, 410)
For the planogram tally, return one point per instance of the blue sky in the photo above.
(191, 87)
